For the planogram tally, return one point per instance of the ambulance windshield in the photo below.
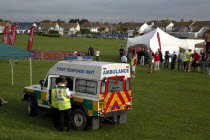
(115, 85)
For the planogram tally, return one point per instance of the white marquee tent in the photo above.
(168, 42)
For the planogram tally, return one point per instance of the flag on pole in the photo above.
(13, 35)
(31, 38)
(158, 36)
(5, 37)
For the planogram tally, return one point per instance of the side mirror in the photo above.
(41, 83)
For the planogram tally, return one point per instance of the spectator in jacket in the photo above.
(196, 61)
(167, 56)
(141, 54)
(208, 61)
(161, 57)
(180, 62)
(149, 61)
(121, 51)
(173, 60)
(157, 61)
(203, 61)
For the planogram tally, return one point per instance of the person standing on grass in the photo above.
(121, 51)
(54, 104)
(133, 65)
(149, 61)
(188, 56)
(157, 62)
(91, 51)
(124, 59)
(196, 59)
(184, 61)
(97, 54)
(173, 60)
(63, 96)
(167, 56)
(208, 61)
(203, 61)
(142, 56)
(139, 55)
(161, 57)
(180, 62)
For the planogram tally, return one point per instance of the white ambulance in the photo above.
(102, 90)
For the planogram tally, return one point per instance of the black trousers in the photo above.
(173, 64)
(56, 117)
(68, 115)
(97, 58)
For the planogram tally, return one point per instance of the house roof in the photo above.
(24, 25)
(108, 25)
(197, 28)
(198, 25)
(90, 24)
(180, 26)
(134, 25)
(67, 26)
(201, 23)
(163, 24)
(97, 24)
(46, 26)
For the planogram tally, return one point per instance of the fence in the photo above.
(54, 55)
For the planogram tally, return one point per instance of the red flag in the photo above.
(5, 37)
(13, 35)
(158, 36)
(31, 38)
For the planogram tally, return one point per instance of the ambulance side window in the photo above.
(86, 86)
(52, 83)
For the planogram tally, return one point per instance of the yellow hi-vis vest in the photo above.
(62, 100)
(188, 56)
(132, 61)
(54, 98)
(184, 59)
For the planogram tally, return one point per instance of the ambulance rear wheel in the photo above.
(80, 120)
(31, 107)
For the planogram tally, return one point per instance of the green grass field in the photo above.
(166, 105)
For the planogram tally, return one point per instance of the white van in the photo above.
(102, 90)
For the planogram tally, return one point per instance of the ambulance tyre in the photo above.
(80, 120)
(31, 107)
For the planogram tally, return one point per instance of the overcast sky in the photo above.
(104, 10)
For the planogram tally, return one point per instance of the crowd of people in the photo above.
(185, 60)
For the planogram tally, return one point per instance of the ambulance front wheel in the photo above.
(80, 120)
(31, 107)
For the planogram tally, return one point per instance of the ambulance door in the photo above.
(50, 85)
(115, 94)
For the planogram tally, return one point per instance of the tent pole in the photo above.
(12, 66)
(12, 75)
(30, 72)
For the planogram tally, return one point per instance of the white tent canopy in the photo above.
(168, 42)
